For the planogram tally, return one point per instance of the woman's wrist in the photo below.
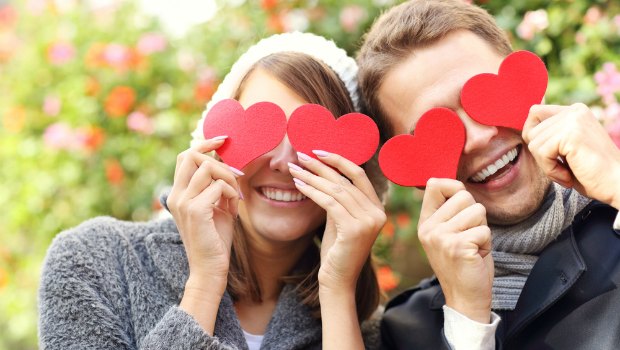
(206, 286)
(201, 299)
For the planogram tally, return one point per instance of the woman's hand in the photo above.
(454, 234)
(204, 202)
(354, 215)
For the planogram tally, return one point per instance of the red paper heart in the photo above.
(505, 99)
(251, 133)
(433, 151)
(353, 136)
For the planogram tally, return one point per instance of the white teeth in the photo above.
(493, 168)
(282, 195)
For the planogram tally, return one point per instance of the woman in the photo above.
(239, 266)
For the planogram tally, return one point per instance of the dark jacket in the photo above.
(571, 299)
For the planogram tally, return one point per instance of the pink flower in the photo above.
(89, 138)
(608, 82)
(580, 38)
(151, 42)
(533, 22)
(351, 16)
(141, 123)
(8, 16)
(613, 127)
(36, 7)
(593, 15)
(295, 20)
(60, 52)
(617, 22)
(59, 136)
(116, 55)
(186, 61)
(52, 105)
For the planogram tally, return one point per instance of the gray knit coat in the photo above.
(110, 284)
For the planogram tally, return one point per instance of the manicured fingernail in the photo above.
(236, 171)
(320, 153)
(241, 195)
(294, 166)
(303, 156)
(298, 182)
(218, 138)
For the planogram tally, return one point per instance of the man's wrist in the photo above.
(478, 314)
(616, 225)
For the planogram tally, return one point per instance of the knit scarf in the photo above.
(516, 248)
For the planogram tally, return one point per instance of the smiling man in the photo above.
(525, 233)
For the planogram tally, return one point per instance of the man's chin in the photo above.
(519, 210)
(508, 218)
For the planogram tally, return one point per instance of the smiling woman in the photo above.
(273, 255)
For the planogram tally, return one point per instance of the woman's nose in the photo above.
(282, 155)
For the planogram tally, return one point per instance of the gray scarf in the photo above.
(516, 248)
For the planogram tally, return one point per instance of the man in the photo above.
(545, 212)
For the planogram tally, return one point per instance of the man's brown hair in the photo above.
(412, 25)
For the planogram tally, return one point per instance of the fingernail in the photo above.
(298, 182)
(303, 156)
(241, 195)
(320, 153)
(236, 171)
(295, 166)
(218, 138)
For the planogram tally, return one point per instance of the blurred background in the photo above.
(97, 97)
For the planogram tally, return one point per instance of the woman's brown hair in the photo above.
(317, 83)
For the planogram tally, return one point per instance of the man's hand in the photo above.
(454, 233)
(574, 150)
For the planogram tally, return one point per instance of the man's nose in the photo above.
(478, 135)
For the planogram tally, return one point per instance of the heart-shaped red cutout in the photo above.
(251, 133)
(353, 136)
(505, 99)
(433, 151)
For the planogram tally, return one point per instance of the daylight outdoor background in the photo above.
(97, 98)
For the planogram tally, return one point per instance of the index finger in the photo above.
(537, 114)
(202, 146)
(437, 192)
(353, 172)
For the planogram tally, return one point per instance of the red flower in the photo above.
(90, 138)
(114, 171)
(120, 101)
(403, 220)
(95, 56)
(388, 228)
(203, 91)
(8, 16)
(275, 24)
(387, 279)
(268, 5)
(4, 278)
(92, 86)
(14, 119)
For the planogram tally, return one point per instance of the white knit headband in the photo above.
(316, 46)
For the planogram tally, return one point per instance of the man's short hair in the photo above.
(413, 25)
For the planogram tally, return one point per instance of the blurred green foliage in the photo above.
(96, 101)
